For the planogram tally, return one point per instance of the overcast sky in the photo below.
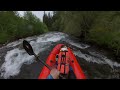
(39, 14)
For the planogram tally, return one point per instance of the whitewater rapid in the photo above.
(17, 56)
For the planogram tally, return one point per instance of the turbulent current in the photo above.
(15, 63)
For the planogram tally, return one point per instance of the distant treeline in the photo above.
(13, 27)
(99, 27)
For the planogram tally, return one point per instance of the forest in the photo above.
(13, 26)
(97, 27)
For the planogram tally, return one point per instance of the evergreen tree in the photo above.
(13, 27)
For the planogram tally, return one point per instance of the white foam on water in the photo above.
(108, 61)
(52, 37)
(111, 63)
(88, 57)
(15, 43)
(39, 47)
(49, 37)
(15, 58)
(100, 59)
(82, 46)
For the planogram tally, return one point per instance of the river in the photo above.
(15, 63)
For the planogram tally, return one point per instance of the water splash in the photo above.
(16, 57)
(97, 58)
(13, 62)
(78, 45)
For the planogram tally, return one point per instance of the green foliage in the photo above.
(4, 37)
(106, 31)
(13, 27)
(101, 27)
(47, 19)
(72, 22)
